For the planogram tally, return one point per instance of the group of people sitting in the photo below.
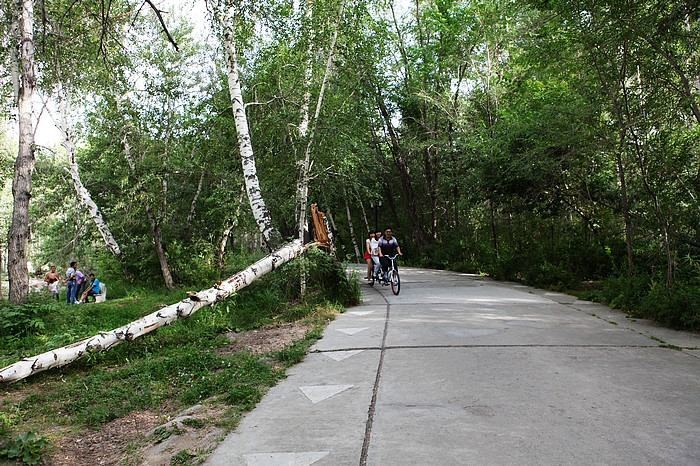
(76, 282)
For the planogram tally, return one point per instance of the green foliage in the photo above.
(179, 365)
(182, 457)
(677, 307)
(19, 321)
(326, 279)
(296, 352)
(193, 422)
(185, 368)
(28, 448)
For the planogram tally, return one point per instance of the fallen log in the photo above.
(185, 308)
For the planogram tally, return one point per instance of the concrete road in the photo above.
(463, 370)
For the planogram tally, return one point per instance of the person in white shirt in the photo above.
(368, 253)
(374, 250)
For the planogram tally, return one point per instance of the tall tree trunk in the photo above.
(658, 211)
(308, 73)
(263, 218)
(404, 178)
(329, 214)
(494, 231)
(160, 249)
(431, 178)
(68, 143)
(305, 164)
(18, 235)
(157, 235)
(353, 238)
(622, 137)
(364, 212)
(190, 215)
(15, 58)
(625, 212)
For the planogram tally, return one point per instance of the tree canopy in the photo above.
(553, 142)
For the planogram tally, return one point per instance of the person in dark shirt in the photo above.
(388, 246)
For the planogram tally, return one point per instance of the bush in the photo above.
(619, 293)
(677, 307)
(26, 319)
(326, 279)
(27, 448)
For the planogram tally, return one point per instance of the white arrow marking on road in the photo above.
(317, 393)
(340, 355)
(359, 313)
(284, 459)
(351, 331)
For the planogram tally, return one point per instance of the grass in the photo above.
(169, 369)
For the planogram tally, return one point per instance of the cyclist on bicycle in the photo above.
(388, 246)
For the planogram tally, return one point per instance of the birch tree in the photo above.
(105, 341)
(64, 125)
(226, 16)
(308, 135)
(18, 235)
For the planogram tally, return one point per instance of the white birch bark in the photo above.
(352, 229)
(305, 164)
(329, 216)
(302, 182)
(18, 235)
(308, 73)
(83, 194)
(190, 215)
(262, 215)
(185, 308)
(364, 212)
(227, 231)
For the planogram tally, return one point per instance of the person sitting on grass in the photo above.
(93, 290)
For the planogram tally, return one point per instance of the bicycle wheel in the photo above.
(395, 281)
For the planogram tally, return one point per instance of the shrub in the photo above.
(677, 307)
(26, 319)
(620, 293)
(27, 448)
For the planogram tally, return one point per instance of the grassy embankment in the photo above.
(170, 369)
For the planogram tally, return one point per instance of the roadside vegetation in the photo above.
(589, 271)
(187, 363)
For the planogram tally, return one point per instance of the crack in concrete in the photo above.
(375, 389)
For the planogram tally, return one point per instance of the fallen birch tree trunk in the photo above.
(185, 308)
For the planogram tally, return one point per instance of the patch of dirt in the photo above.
(104, 446)
(266, 339)
(190, 435)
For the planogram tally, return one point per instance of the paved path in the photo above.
(459, 369)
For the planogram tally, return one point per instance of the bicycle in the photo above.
(390, 278)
